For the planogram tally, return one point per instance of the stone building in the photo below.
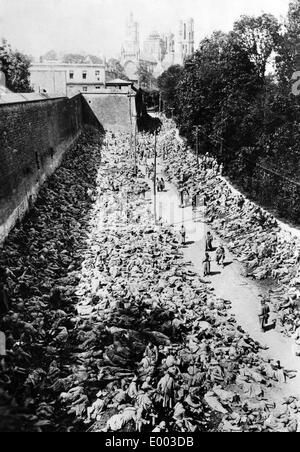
(155, 46)
(130, 52)
(185, 45)
(67, 79)
(159, 51)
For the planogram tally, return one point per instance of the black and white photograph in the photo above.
(150, 219)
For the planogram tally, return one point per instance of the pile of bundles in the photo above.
(252, 234)
(172, 357)
(110, 331)
(39, 265)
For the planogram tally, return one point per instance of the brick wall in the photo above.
(33, 139)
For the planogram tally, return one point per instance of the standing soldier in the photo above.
(209, 242)
(220, 255)
(206, 264)
(181, 190)
(264, 315)
(183, 234)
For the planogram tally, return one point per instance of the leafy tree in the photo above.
(15, 66)
(168, 83)
(244, 115)
(258, 36)
(76, 58)
(73, 58)
(51, 55)
(288, 51)
(95, 59)
(146, 78)
(117, 70)
(218, 91)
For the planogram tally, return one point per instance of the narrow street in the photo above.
(128, 337)
(150, 219)
(228, 283)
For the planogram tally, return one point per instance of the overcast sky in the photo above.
(98, 26)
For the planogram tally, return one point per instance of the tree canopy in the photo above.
(77, 58)
(146, 78)
(258, 36)
(236, 90)
(168, 84)
(116, 68)
(15, 66)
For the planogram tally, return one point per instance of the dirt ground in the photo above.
(228, 284)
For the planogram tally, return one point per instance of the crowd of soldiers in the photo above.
(107, 329)
(266, 249)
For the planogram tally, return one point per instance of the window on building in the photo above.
(97, 73)
(98, 87)
(71, 75)
(84, 88)
(84, 75)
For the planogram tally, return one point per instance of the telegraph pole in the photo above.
(197, 144)
(155, 173)
(131, 141)
(130, 96)
(135, 153)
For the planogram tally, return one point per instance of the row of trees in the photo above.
(237, 89)
(70, 58)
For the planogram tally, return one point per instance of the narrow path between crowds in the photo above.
(228, 283)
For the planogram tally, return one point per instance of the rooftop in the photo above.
(12, 98)
(119, 81)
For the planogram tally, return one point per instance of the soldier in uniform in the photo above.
(264, 314)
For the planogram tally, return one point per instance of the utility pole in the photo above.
(155, 173)
(135, 152)
(131, 141)
(197, 144)
(130, 116)
(130, 96)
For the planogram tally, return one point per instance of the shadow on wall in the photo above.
(89, 116)
(145, 122)
(34, 136)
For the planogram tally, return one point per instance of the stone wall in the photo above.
(33, 138)
(114, 111)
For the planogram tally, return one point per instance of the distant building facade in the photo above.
(159, 51)
(130, 52)
(67, 79)
(155, 46)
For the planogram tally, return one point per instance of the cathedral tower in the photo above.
(185, 42)
(131, 46)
